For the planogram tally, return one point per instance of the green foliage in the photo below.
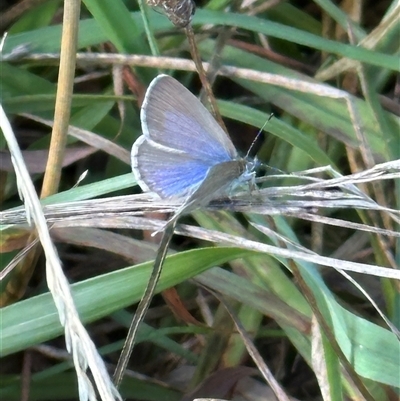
(314, 125)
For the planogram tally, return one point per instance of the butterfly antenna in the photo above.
(258, 135)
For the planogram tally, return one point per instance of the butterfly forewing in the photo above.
(173, 117)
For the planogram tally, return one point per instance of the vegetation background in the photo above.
(329, 73)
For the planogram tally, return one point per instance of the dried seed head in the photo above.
(179, 12)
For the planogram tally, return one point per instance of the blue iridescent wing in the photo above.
(163, 171)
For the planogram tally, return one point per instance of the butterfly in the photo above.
(183, 153)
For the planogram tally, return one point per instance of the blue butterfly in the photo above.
(183, 152)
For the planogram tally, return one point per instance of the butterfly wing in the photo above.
(167, 172)
(173, 117)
